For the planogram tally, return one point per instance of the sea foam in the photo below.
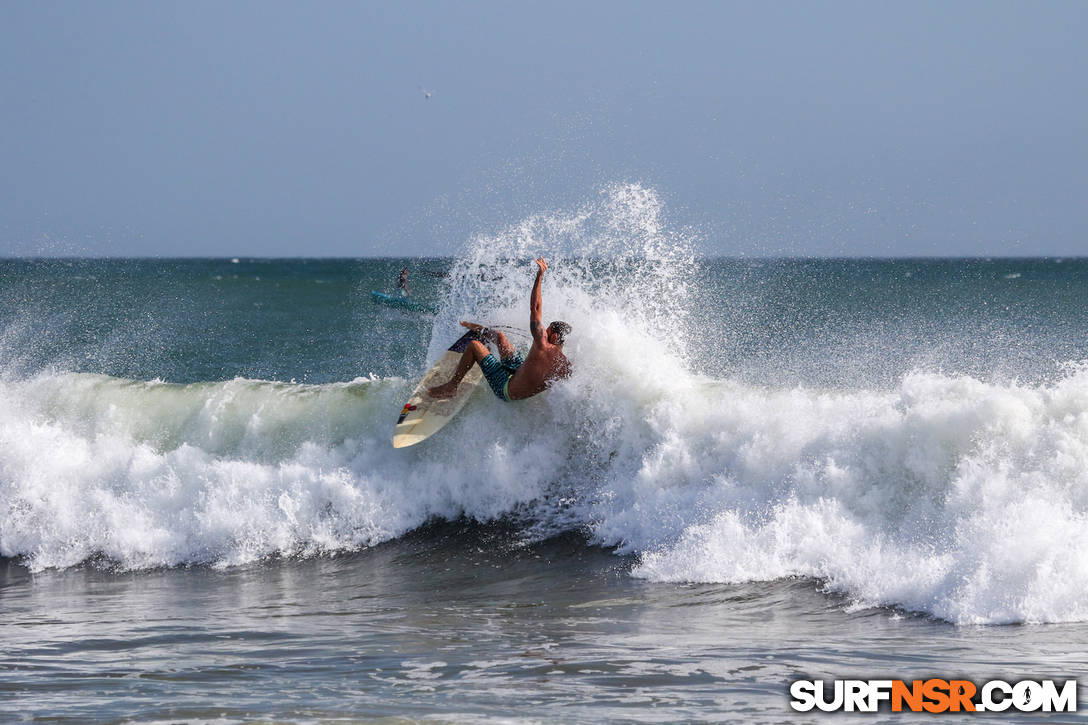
(949, 496)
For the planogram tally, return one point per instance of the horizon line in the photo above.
(734, 257)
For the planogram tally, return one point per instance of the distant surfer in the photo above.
(511, 376)
(402, 283)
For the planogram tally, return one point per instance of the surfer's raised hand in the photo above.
(472, 325)
(542, 264)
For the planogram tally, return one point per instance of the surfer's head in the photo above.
(557, 332)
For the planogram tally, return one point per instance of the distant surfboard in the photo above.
(423, 416)
(404, 303)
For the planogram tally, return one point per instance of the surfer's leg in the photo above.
(506, 350)
(474, 353)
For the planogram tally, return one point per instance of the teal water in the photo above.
(779, 321)
(204, 320)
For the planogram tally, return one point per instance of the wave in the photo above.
(943, 494)
(961, 499)
(949, 496)
(148, 474)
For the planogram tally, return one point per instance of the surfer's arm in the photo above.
(536, 319)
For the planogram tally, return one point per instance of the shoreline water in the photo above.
(459, 622)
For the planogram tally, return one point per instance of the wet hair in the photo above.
(561, 329)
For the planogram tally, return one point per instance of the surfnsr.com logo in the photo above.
(934, 695)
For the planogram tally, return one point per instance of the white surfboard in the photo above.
(423, 416)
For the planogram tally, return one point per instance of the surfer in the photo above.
(511, 376)
(402, 283)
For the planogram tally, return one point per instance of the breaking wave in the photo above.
(943, 494)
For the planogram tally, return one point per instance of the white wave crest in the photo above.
(153, 474)
(950, 496)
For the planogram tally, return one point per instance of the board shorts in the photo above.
(498, 373)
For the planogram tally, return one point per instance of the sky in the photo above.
(768, 128)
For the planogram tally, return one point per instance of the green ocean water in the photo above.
(831, 322)
(206, 320)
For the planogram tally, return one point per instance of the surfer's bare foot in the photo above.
(443, 391)
(486, 333)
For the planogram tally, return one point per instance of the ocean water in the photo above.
(761, 470)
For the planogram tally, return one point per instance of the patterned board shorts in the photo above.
(498, 372)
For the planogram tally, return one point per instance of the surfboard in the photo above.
(404, 303)
(423, 416)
